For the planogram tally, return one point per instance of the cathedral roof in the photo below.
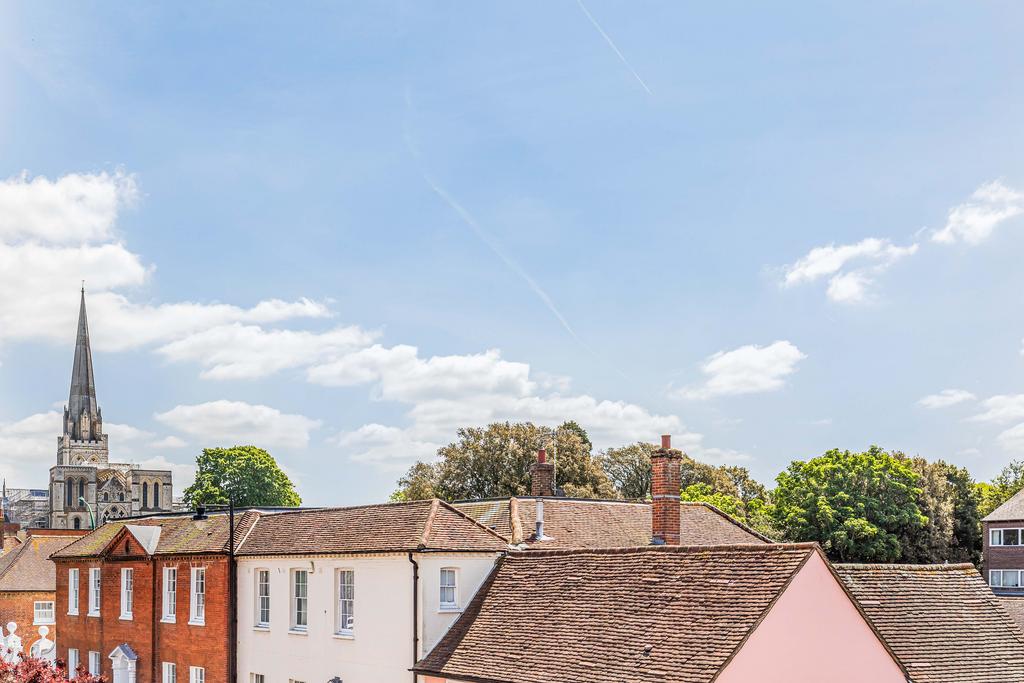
(83, 383)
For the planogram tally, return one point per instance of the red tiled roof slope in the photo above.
(179, 535)
(394, 527)
(575, 523)
(28, 567)
(1014, 606)
(630, 615)
(941, 621)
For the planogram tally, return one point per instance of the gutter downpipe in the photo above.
(415, 615)
(232, 598)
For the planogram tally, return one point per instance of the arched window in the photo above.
(81, 489)
(120, 496)
(77, 523)
(106, 497)
(156, 495)
(145, 495)
(69, 492)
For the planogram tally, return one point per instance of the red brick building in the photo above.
(28, 583)
(147, 601)
(1003, 550)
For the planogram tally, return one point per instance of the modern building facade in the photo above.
(1003, 547)
(86, 489)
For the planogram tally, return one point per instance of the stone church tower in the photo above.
(85, 487)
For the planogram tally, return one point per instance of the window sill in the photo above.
(261, 627)
(125, 617)
(344, 636)
(197, 622)
(73, 614)
(449, 610)
(168, 620)
(95, 615)
(44, 622)
(298, 632)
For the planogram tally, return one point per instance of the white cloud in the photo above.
(747, 370)
(169, 442)
(248, 351)
(119, 433)
(1012, 439)
(401, 375)
(78, 207)
(946, 398)
(975, 220)
(851, 268)
(28, 448)
(183, 475)
(1001, 409)
(54, 234)
(227, 423)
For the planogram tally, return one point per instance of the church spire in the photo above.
(82, 400)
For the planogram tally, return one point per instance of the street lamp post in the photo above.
(92, 517)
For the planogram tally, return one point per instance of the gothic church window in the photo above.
(145, 495)
(156, 496)
(81, 490)
(77, 524)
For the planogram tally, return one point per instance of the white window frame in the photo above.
(94, 663)
(196, 674)
(95, 586)
(39, 607)
(197, 597)
(73, 662)
(299, 603)
(993, 534)
(169, 590)
(262, 608)
(453, 587)
(257, 678)
(127, 592)
(346, 596)
(1001, 584)
(73, 592)
(170, 672)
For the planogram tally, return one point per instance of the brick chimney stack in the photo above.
(542, 476)
(665, 481)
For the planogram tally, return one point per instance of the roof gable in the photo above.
(1010, 511)
(615, 614)
(28, 567)
(942, 621)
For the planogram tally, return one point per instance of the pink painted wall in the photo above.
(812, 634)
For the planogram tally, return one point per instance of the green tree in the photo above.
(1008, 482)
(730, 505)
(416, 484)
(857, 505)
(629, 469)
(245, 474)
(966, 544)
(931, 542)
(495, 461)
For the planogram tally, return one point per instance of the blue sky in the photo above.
(340, 232)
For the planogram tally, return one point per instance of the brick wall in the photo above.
(665, 482)
(19, 607)
(1001, 557)
(154, 641)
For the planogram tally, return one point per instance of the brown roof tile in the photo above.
(1014, 606)
(393, 527)
(941, 621)
(179, 535)
(1010, 511)
(28, 567)
(577, 523)
(630, 615)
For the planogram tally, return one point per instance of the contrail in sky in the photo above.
(468, 219)
(611, 44)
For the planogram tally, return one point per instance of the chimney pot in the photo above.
(666, 441)
(542, 456)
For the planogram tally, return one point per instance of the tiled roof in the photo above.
(28, 567)
(179, 535)
(578, 523)
(630, 615)
(1014, 606)
(941, 621)
(393, 527)
(1010, 511)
